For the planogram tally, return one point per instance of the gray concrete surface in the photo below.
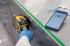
(8, 35)
(4, 37)
(41, 38)
(6, 16)
(39, 10)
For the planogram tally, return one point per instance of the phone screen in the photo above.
(57, 19)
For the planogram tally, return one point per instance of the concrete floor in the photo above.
(40, 10)
(4, 37)
(8, 35)
(41, 38)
